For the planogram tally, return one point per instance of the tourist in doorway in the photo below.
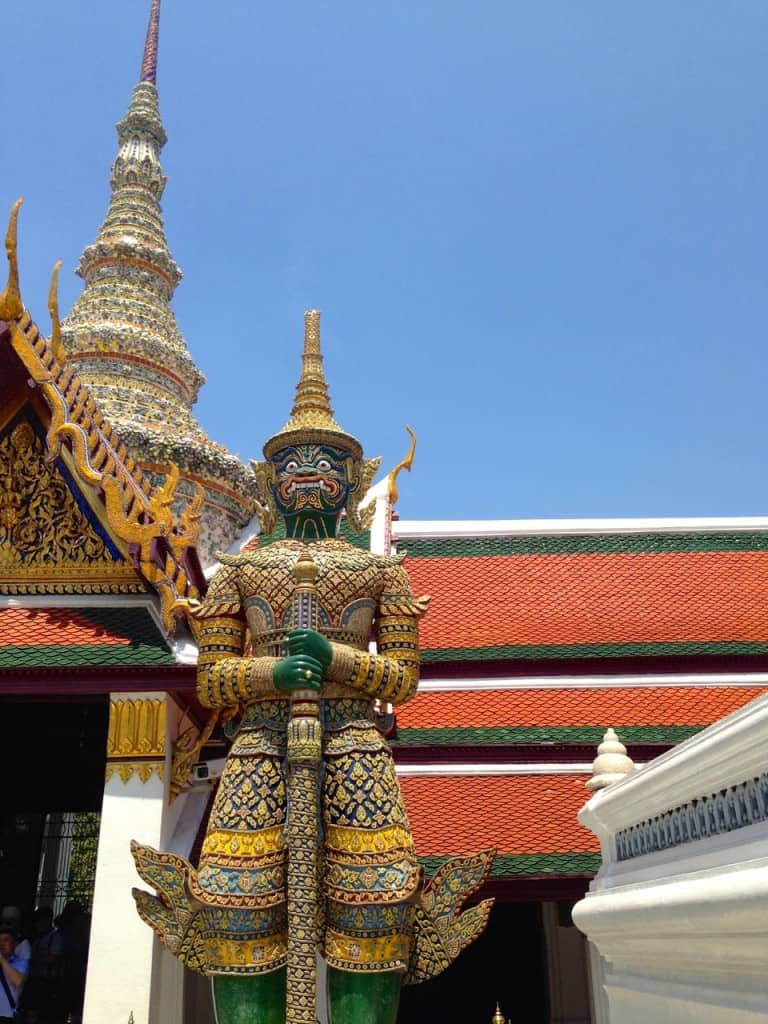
(13, 973)
(74, 924)
(41, 993)
(11, 917)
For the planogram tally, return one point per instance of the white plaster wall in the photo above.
(681, 933)
(167, 989)
(128, 971)
(121, 948)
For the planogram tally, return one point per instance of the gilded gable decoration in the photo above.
(48, 544)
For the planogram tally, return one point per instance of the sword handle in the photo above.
(304, 753)
(305, 614)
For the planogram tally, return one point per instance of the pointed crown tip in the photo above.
(312, 416)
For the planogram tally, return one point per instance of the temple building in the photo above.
(540, 635)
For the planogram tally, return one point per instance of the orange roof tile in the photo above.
(51, 638)
(541, 600)
(516, 814)
(674, 705)
(53, 627)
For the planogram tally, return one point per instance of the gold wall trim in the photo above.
(137, 728)
(127, 769)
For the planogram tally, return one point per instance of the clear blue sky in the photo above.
(537, 231)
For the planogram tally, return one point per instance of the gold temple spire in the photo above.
(312, 416)
(11, 306)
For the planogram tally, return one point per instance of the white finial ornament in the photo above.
(611, 764)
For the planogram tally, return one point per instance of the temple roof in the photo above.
(609, 593)
(518, 647)
(529, 818)
(52, 638)
(574, 714)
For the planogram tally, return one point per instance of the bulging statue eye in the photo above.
(291, 466)
(323, 465)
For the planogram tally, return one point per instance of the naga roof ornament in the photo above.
(11, 306)
(122, 337)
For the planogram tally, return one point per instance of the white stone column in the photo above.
(123, 950)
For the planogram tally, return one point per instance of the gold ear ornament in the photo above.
(266, 510)
(358, 518)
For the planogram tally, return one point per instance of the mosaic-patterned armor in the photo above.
(370, 870)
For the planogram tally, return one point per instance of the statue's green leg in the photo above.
(363, 998)
(249, 999)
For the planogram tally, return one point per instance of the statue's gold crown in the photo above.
(312, 419)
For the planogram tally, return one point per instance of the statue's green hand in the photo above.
(298, 672)
(311, 643)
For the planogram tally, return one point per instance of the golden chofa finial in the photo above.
(407, 463)
(53, 308)
(11, 306)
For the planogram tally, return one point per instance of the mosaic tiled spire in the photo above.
(149, 59)
(122, 336)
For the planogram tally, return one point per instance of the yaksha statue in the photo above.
(308, 850)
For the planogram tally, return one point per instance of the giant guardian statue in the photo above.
(308, 851)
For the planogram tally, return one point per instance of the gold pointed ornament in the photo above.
(11, 306)
(53, 309)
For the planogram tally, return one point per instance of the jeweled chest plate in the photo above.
(349, 583)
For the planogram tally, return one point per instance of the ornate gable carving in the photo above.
(48, 541)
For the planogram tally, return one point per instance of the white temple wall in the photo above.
(679, 909)
(124, 953)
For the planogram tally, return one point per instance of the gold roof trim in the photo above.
(312, 419)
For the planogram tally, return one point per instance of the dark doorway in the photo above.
(55, 756)
(506, 964)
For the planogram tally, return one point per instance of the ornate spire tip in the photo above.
(149, 60)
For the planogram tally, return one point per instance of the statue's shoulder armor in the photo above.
(279, 551)
(246, 558)
(275, 553)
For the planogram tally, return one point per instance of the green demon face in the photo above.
(311, 481)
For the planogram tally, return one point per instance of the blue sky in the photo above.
(537, 231)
